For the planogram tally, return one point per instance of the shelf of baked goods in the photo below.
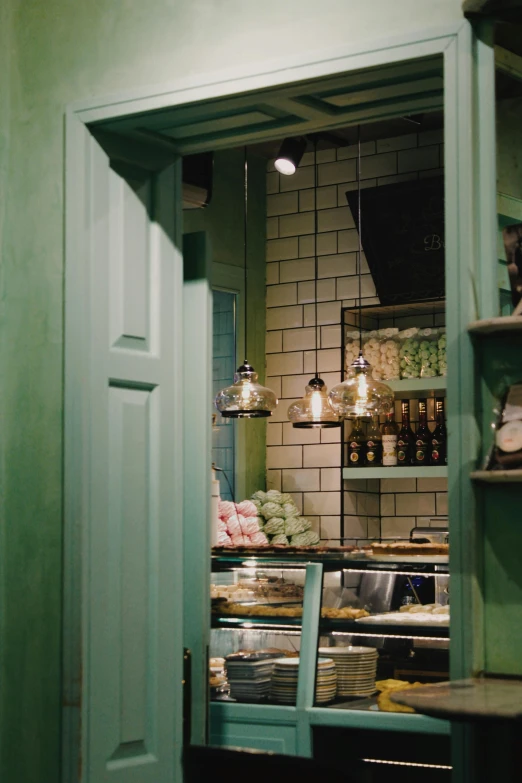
(410, 471)
(268, 590)
(401, 556)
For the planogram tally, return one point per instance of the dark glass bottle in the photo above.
(422, 453)
(406, 437)
(373, 457)
(389, 441)
(439, 451)
(356, 446)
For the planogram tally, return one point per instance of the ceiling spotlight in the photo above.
(290, 154)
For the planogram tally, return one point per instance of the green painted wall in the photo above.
(62, 51)
(223, 220)
(509, 147)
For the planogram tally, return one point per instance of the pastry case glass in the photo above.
(344, 626)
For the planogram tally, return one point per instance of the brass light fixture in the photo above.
(245, 398)
(360, 395)
(314, 409)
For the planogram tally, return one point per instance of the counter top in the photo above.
(477, 699)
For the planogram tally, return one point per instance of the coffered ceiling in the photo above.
(369, 96)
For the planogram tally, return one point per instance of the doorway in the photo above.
(108, 148)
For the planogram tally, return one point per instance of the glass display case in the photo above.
(397, 607)
(303, 643)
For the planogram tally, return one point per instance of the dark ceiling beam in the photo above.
(500, 10)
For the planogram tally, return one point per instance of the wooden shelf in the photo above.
(502, 324)
(417, 387)
(497, 476)
(413, 471)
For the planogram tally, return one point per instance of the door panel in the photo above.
(130, 265)
(132, 586)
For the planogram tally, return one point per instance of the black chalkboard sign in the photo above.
(403, 239)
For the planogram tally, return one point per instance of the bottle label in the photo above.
(389, 450)
(421, 451)
(355, 453)
(402, 451)
(436, 452)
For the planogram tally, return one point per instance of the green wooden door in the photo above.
(130, 463)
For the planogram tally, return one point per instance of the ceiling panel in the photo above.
(347, 99)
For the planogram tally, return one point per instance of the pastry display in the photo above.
(279, 519)
(276, 548)
(427, 608)
(238, 525)
(346, 613)
(408, 548)
(420, 617)
(260, 610)
(232, 591)
(386, 688)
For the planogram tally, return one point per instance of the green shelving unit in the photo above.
(418, 387)
(412, 471)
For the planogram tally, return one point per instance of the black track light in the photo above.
(290, 154)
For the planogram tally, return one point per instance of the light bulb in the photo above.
(316, 404)
(246, 391)
(361, 402)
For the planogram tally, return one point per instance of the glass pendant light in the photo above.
(245, 398)
(360, 395)
(314, 409)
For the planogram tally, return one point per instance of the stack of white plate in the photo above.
(356, 669)
(326, 681)
(283, 685)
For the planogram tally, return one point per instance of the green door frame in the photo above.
(470, 284)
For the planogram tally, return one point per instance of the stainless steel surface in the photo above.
(377, 591)
(435, 535)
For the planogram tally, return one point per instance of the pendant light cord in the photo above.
(245, 248)
(359, 259)
(316, 261)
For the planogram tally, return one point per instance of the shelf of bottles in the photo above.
(394, 451)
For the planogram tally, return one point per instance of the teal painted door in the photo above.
(132, 645)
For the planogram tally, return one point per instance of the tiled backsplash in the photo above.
(307, 463)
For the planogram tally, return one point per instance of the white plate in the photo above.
(350, 650)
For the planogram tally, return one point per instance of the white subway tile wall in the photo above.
(307, 463)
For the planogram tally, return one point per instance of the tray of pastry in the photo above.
(408, 552)
(412, 615)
